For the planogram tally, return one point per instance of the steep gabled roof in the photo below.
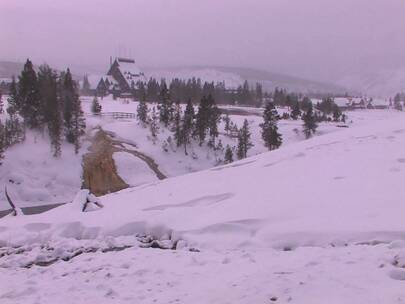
(129, 70)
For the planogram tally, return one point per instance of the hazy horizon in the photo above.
(322, 40)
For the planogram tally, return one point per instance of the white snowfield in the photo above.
(319, 221)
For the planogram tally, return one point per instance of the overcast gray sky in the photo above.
(318, 39)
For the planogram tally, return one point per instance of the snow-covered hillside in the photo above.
(231, 80)
(234, 76)
(318, 221)
(385, 83)
(36, 178)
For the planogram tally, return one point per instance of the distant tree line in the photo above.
(44, 101)
(195, 89)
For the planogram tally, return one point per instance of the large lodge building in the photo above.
(121, 79)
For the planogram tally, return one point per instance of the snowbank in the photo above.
(345, 187)
(132, 170)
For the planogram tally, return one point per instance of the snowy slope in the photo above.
(36, 178)
(235, 76)
(319, 221)
(384, 83)
(300, 195)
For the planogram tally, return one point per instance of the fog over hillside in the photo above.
(323, 40)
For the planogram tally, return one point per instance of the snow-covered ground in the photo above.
(35, 178)
(317, 221)
(174, 162)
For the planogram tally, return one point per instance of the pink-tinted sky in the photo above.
(319, 39)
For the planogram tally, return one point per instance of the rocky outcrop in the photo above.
(99, 171)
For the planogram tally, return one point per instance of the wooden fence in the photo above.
(117, 115)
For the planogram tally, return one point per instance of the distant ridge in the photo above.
(233, 76)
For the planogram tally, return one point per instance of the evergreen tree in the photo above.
(188, 124)
(326, 106)
(86, 88)
(51, 107)
(96, 106)
(1, 102)
(28, 96)
(296, 112)
(228, 155)
(165, 109)
(14, 131)
(79, 123)
(142, 111)
(270, 135)
(178, 133)
(227, 121)
(2, 142)
(259, 94)
(13, 105)
(207, 118)
(74, 123)
(244, 143)
(154, 124)
(397, 102)
(336, 113)
(202, 119)
(310, 124)
(306, 104)
(141, 92)
(213, 120)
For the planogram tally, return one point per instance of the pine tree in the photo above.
(2, 142)
(79, 123)
(306, 104)
(154, 124)
(1, 102)
(96, 106)
(142, 111)
(28, 96)
(228, 155)
(178, 136)
(51, 108)
(14, 131)
(270, 135)
(67, 93)
(244, 143)
(204, 121)
(86, 88)
(296, 112)
(74, 122)
(164, 105)
(259, 94)
(213, 120)
(227, 121)
(310, 124)
(13, 106)
(141, 91)
(336, 113)
(188, 124)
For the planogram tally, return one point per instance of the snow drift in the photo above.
(334, 189)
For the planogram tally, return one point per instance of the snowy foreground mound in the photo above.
(321, 221)
(338, 188)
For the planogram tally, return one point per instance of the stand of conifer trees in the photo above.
(47, 102)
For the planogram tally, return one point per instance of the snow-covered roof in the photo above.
(380, 102)
(342, 101)
(130, 71)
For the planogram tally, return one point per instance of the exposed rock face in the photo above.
(99, 171)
